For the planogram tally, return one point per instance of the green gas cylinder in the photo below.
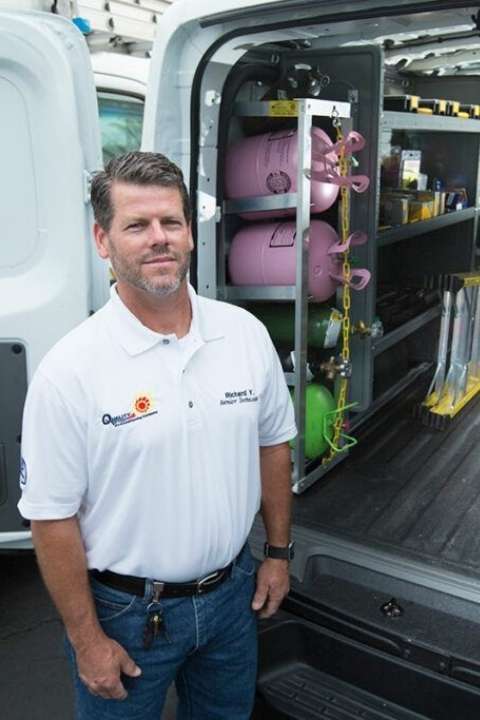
(324, 323)
(318, 402)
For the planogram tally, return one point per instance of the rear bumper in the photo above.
(16, 540)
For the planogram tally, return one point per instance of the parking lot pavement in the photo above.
(34, 675)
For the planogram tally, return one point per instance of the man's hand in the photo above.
(272, 585)
(100, 665)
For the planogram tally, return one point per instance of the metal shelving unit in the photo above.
(404, 232)
(303, 111)
(391, 122)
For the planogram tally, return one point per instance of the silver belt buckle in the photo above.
(206, 581)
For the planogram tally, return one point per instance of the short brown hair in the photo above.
(136, 168)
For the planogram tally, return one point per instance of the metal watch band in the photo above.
(276, 552)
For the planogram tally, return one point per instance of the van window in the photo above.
(121, 120)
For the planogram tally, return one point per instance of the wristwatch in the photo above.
(286, 552)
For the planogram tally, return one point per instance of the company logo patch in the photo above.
(23, 473)
(142, 407)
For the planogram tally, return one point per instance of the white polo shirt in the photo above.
(153, 441)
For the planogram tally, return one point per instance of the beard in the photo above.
(163, 283)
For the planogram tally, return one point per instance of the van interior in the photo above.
(382, 620)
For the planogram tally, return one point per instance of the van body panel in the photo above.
(49, 100)
(50, 276)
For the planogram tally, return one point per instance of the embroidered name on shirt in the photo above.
(142, 408)
(239, 396)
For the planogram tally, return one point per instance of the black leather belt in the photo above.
(137, 586)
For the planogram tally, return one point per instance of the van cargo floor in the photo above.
(406, 488)
(302, 693)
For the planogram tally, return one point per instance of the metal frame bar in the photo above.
(262, 203)
(457, 375)
(440, 372)
(301, 282)
(260, 292)
(431, 123)
(475, 358)
(310, 106)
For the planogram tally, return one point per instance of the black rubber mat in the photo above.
(406, 487)
(303, 693)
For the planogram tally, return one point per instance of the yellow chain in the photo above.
(344, 165)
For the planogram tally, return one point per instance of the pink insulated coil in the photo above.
(267, 165)
(265, 254)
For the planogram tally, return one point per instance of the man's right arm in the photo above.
(62, 561)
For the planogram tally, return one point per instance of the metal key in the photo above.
(152, 629)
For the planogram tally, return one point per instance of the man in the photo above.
(141, 470)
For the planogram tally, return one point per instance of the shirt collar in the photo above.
(136, 338)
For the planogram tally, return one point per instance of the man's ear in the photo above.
(101, 241)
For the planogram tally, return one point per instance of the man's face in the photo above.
(149, 242)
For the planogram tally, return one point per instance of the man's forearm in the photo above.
(62, 561)
(275, 468)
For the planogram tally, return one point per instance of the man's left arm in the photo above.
(273, 579)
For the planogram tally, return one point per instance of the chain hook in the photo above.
(340, 442)
(336, 121)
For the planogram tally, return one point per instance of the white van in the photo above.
(121, 84)
(382, 620)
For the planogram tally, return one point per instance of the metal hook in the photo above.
(336, 122)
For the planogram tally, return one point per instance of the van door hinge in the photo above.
(87, 186)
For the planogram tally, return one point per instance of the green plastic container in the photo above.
(319, 402)
(324, 323)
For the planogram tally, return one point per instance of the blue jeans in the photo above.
(207, 646)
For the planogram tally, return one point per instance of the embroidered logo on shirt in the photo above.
(142, 408)
(142, 404)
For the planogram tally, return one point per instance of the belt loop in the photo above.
(158, 588)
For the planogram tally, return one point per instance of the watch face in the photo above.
(280, 553)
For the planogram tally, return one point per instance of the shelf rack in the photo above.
(432, 123)
(256, 204)
(303, 110)
(391, 121)
(404, 232)
(259, 292)
(411, 326)
(412, 376)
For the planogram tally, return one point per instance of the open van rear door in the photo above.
(50, 279)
